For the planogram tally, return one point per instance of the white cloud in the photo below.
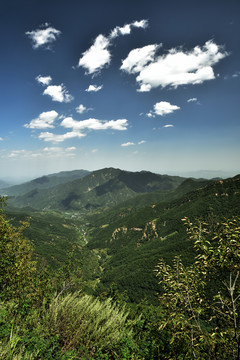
(94, 88)
(1, 139)
(163, 108)
(192, 100)
(126, 29)
(142, 23)
(141, 142)
(44, 80)
(95, 124)
(44, 36)
(128, 144)
(138, 58)
(94, 150)
(150, 114)
(175, 68)
(81, 109)
(98, 55)
(43, 121)
(47, 136)
(167, 126)
(58, 93)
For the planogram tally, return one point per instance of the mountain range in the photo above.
(121, 222)
(99, 189)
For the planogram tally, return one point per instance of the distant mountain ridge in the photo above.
(99, 189)
(45, 182)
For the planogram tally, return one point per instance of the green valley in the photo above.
(103, 235)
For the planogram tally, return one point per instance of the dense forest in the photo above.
(132, 266)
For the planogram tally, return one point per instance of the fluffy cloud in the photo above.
(44, 80)
(192, 100)
(43, 36)
(98, 55)
(95, 124)
(43, 121)
(55, 138)
(128, 144)
(81, 109)
(94, 88)
(163, 108)
(138, 58)
(175, 68)
(58, 93)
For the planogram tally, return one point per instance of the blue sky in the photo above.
(138, 85)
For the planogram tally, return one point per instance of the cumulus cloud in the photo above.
(176, 67)
(43, 36)
(58, 93)
(55, 138)
(128, 144)
(192, 100)
(94, 88)
(81, 109)
(43, 121)
(137, 59)
(44, 80)
(162, 108)
(98, 55)
(95, 124)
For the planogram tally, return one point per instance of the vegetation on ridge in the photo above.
(99, 297)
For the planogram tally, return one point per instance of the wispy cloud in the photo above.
(176, 67)
(55, 138)
(44, 80)
(168, 126)
(192, 100)
(44, 36)
(141, 142)
(98, 55)
(43, 121)
(128, 144)
(41, 153)
(236, 74)
(95, 124)
(94, 88)
(162, 108)
(126, 29)
(58, 93)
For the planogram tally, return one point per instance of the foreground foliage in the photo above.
(48, 316)
(202, 301)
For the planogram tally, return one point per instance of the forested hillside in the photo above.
(101, 189)
(154, 277)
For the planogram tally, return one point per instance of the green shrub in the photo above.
(84, 323)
